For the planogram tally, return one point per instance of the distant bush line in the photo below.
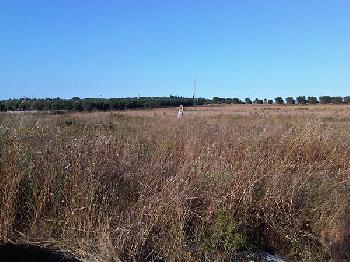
(107, 104)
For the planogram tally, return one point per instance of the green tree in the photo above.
(236, 101)
(218, 100)
(279, 100)
(346, 99)
(325, 99)
(258, 101)
(290, 100)
(336, 100)
(301, 100)
(312, 100)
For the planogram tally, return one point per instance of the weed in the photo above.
(133, 186)
(223, 235)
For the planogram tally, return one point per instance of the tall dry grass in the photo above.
(110, 187)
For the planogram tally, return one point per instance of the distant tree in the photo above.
(279, 100)
(312, 100)
(37, 105)
(236, 101)
(325, 99)
(258, 101)
(218, 100)
(103, 104)
(68, 104)
(228, 100)
(47, 104)
(87, 104)
(336, 100)
(290, 100)
(301, 100)
(346, 99)
(76, 106)
(57, 105)
(23, 105)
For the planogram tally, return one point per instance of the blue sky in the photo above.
(125, 48)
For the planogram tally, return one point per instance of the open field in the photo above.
(251, 110)
(144, 185)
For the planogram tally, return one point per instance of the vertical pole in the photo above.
(194, 90)
(194, 87)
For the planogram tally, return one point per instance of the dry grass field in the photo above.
(146, 186)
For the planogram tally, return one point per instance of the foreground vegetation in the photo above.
(112, 187)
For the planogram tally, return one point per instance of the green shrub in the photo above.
(223, 235)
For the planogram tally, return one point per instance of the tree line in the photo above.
(107, 104)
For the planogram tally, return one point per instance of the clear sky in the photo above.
(126, 48)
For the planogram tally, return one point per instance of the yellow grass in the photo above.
(139, 185)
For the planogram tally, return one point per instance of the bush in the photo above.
(224, 235)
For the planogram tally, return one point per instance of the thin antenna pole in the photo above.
(194, 87)
(194, 91)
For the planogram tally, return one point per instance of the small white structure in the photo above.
(180, 114)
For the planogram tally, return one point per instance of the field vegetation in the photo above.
(146, 186)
